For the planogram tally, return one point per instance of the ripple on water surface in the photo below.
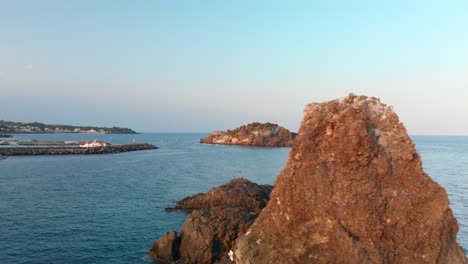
(109, 208)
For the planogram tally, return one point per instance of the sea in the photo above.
(110, 208)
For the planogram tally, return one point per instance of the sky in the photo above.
(199, 66)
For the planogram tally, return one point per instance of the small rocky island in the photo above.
(39, 128)
(353, 191)
(255, 134)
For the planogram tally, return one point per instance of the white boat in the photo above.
(94, 144)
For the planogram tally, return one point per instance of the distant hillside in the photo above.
(35, 127)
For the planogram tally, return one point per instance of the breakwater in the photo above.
(15, 151)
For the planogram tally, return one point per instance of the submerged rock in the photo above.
(353, 191)
(238, 193)
(256, 134)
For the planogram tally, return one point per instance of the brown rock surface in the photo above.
(239, 193)
(218, 217)
(209, 234)
(166, 249)
(255, 134)
(353, 191)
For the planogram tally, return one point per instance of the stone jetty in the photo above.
(14, 151)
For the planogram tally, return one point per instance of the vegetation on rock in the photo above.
(257, 134)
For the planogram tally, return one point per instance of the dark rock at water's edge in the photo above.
(5, 135)
(239, 192)
(209, 234)
(15, 151)
(254, 134)
(353, 191)
(166, 249)
(217, 219)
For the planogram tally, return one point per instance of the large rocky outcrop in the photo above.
(353, 191)
(216, 220)
(239, 193)
(256, 134)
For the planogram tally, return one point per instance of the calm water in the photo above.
(109, 208)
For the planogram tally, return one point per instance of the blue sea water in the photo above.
(110, 208)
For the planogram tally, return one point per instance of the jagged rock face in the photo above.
(239, 192)
(353, 191)
(218, 217)
(209, 234)
(256, 134)
(166, 249)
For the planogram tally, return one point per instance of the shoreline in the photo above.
(68, 132)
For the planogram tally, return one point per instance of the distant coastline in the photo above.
(10, 127)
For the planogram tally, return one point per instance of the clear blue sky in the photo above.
(191, 66)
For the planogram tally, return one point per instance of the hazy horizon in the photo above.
(193, 66)
(203, 132)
